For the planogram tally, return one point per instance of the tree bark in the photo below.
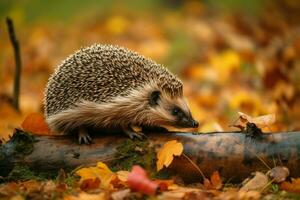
(234, 155)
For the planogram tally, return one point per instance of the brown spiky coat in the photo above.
(108, 86)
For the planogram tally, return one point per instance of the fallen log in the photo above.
(234, 155)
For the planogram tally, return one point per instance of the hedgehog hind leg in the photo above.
(84, 137)
(132, 134)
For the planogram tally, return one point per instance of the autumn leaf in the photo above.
(258, 182)
(214, 183)
(164, 184)
(90, 184)
(35, 123)
(101, 171)
(293, 186)
(86, 196)
(122, 175)
(260, 121)
(138, 181)
(166, 154)
(278, 174)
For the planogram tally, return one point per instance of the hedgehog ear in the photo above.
(154, 97)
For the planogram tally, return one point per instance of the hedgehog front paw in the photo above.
(131, 134)
(84, 137)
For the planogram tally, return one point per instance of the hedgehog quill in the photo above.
(110, 87)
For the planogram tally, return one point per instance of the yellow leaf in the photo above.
(166, 153)
(101, 171)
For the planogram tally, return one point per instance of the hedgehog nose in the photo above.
(195, 124)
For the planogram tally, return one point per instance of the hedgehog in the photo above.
(111, 87)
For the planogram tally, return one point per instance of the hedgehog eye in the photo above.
(175, 111)
(154, 97)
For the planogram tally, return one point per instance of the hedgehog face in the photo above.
(172, 111)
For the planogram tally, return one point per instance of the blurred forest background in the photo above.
(232, 55)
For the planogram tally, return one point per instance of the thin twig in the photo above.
(16, 47)
(196, 166)
(267, 185)
(259, 158)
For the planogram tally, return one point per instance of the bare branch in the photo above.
(16, 47)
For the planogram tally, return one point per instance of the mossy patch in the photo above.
(22, 173)
(134, 152)
(22, 143)
(137, 152)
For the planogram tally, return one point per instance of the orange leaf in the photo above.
(166, 153)
(138, 181)
(35, 123)
(216, 180)
(293, 186)
(214, 183)
(90, 184)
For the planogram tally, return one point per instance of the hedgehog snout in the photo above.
(195, 124)
(192, 123)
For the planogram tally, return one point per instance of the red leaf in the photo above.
(138, 181)
(164, 184)
(35, 123)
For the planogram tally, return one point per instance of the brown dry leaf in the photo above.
(278, 174)
(258, 182)
(86, 196)
(101, 171)
(293, 186)
(239, 195)
(121, 194)
(9, 189)
(178, 193)
(167, 152)
(35, 123)
(30, 186)
(260, 121)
